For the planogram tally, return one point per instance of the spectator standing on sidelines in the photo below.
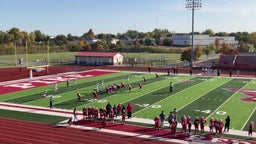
(108, 108)
(251, 128)
(51, 102)
(162, 116)
(129, 110)
(175, 114)
(227, 124)
(115, 110)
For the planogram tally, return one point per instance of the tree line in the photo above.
(15, 40)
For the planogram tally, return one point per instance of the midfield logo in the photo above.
(250, 94)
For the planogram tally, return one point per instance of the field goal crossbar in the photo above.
(40, 68)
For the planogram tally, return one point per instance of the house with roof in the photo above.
(99, 58)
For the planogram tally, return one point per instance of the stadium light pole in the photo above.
(193, 5)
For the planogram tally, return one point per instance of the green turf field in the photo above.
(192, 96)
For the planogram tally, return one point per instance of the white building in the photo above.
(186, 40)
(99, 58)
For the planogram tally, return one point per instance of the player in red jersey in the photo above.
(111, 115)
(118, 108)
(202, 122)
(78, 96)
(95, 95)
(129, 109)
(145, 80)
(173, 125)
(189, 122)
(122, 85)
(196, 123)
(184, 124)
(104, 121)
(85, 112)
(95, 114)
(251, 128)
(123, 116)
(157, 123)
(220, 127)
(211, 125)
(216, 126)
(140, 85)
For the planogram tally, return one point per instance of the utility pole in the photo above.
(193, 5)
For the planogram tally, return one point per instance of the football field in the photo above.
(211, 97)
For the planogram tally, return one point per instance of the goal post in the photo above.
(38, 65)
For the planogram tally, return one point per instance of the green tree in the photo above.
(39, 36)
(208, 32)
(207, 50)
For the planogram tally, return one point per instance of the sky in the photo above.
(76, 17)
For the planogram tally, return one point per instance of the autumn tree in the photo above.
(242, 47)
(186, 54)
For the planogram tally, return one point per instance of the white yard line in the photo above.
(166, 98)
(248, 119)
(217, 109)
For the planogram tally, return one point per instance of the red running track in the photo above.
(21, 132)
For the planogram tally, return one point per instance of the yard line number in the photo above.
(209, 111)
(146, 105)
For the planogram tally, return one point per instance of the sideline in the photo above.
(68, 113)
